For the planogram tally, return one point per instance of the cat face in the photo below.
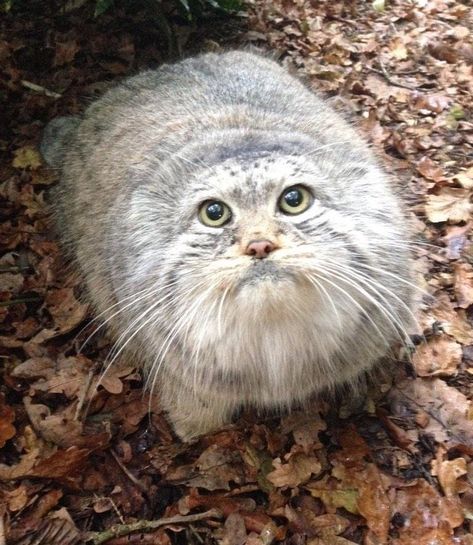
(254, 225)
(280, 253)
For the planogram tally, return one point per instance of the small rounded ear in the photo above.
(57, 137)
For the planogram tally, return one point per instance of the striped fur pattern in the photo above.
(215, 329)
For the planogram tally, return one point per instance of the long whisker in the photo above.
(319, 286)
(323, 278)
(368, 280)
(136, 298)
(392, 320)
(111, 360)
(185, 319)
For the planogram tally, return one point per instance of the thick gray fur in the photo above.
(212, 327)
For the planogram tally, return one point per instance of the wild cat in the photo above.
(235, 233)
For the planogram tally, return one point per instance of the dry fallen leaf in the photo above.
(448, 473)
(438, 356)
(463, 284)
(465, 178)
(297, 471)
(213, 470)
(449, 410)
(7, 417)
(430, 170)
(426, 516)
(451, 204)
(66, 376)
(27, 157)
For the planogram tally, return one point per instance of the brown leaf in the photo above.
(213, 470)
(65, 52)
(454, 322)
(447, 407)
(457, 240)
(335, 494)
(66, 311)
(297, 471)
(443, 52)
(11, 282)
(451, 204)
(234, 530)
(17, 498)
(448, 473)
(66, 376)
(61, 464)
(397, 49)
(226, 505)
(427, 517)
(439, 356)
(305, 428)
(430, 170)
(465, 178)
(33, 519)
(7, 417)
(463, 284)
(326, 526)
(27, 158)
(22, 468)
(432, 102)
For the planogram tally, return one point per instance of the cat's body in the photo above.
(274, 303)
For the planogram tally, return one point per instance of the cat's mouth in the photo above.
(263, 271)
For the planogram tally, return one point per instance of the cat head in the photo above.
(279, 235)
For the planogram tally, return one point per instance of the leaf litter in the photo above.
(83, 461)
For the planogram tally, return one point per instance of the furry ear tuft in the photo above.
(57, 137)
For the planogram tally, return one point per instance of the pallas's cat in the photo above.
(237, 235)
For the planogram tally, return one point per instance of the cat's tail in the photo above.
(57, 137)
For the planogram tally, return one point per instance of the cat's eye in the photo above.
(295, 200)
(214, 213)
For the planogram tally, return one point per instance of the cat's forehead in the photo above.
(256, 177)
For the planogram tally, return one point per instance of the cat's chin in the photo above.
(265, 273)
(268, 294)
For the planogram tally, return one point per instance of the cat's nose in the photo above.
(260, 248)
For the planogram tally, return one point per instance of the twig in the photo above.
(196, 534)
(39, 89)
(3, 539)
(19, 301)
(13, 269)
(83, 395)
(119, 530)
(130, 475)
(114, 506)
(383, 72)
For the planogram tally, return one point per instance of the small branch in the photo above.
(97, 538)
(383, 72)
(13, 269)
(3, 537)
(83, 395)
(130, 475)
(20, 301)
(39, 89)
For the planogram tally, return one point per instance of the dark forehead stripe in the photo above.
(252, 147)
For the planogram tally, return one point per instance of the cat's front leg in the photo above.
(193, 414)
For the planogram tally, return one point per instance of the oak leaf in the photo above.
(451, 204)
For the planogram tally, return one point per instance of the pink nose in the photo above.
(260, 248)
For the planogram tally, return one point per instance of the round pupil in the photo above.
(293, 197)
(214, 211)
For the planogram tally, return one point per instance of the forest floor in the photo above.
(75, 463)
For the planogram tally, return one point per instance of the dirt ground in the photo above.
(82, 466)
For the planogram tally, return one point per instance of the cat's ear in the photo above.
(57, 137)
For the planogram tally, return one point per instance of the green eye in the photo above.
(214, 213)
(295, 200)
